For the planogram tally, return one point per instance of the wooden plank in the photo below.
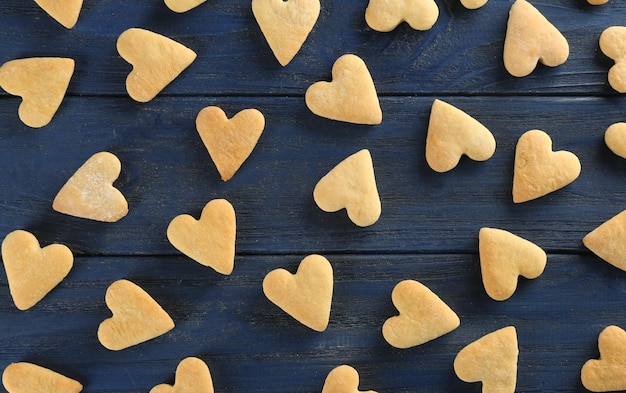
(461, 54)
(167, 172)
(250, 345)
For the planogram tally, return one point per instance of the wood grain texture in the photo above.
(429, 226)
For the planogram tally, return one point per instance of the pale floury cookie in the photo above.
(492, 360)
(286, 24)
(607, 241)
(26, 377)
(612, 45)
(453, 133)
(90, 194)
(350, 96)
(503, 258)
(343, 379)
(182, 5)
(538, 170)
(41, 82)
(531, 38)
(351, 185)
(615, 139)
(473, 4)
(608, 373)
(137, 317)
(423, 316)
(306, 295)
(156, 61)
(210, 240)
(32, 271)
(192, 376)
(386, 15)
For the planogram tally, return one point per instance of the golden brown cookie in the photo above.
(156, 61)
(608, 373)
(350, 96)
(503, 258)
(351, 185)
(306, 295)
(492, 359)
(90, 194)
(136, 317)
(343, 379)
(210, 240)
(423, 316)
(286, 24)
(192, 376)
(229, 141)
(531, 38)
(612, 45)
(30, 378)
(453, 133)
(386, 15)
(607, 241)
(65, 12)
(538, 170)
(41, 82)
(32, 271)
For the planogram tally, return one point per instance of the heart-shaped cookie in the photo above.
(351, 185)
(41, 82)
(473, 4)
(608, 373)
(343, 379)
(32, 271)
(612, 45)
(538, 170)
(503, 258)
(386, 15)
(136, 317)
(307, 295)
(90, 194)
(286, 24)
(182, 5)
(30, 378)
(491, 359)
(453, 133)
(65, 12)
(607, 241)
(192, 376)
(423, 316)
(615, 139)
(229, 141)
(531, 38)
(210, 240)
(350, 97)
(156, 61)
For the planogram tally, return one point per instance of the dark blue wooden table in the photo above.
(429, 226)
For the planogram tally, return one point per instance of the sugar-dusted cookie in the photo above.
(192, 376)
(65, 12)
(41, 82)
(612, 45)
(351, 185)
(423, 316)
(307, 295)
(538, 170)
(136, 317)
(286, 24)
(32, 271)
(492, 359)
(156, 61)
(453, 133)
(607, 241)
(210, 240)
(531, 38)
(229, 141)
(343, 379)
(182, 5)
(386, 15)
(503, 258)
(350, 96)
(90, 194)
(615, 139)
(608, 373)
(26, 377)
